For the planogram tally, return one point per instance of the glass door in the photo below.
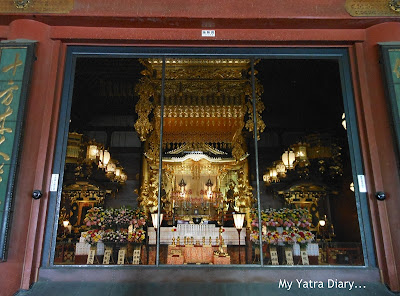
(221, 160)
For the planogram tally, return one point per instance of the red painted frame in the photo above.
(377, 143)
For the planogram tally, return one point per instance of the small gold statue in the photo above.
(220, 251)
(173, 241)
(178, 241)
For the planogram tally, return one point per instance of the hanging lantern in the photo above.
(280, 168)
(209, 184)
(266, 177)
(344, 121)
(124, 177)
(106, 158)
(92, 152)
(111, 167)
(288, 158)
(101, 158)
(273, 175)
(182, 185)
(300, 151)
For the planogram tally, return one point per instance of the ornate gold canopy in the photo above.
(206, 100)
(207, 105)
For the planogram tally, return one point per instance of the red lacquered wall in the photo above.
(265, 23)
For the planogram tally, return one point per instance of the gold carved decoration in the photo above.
(208, 103)
(36, 6)
(396, 68)
(21, 3)
(395, 5)
(373, 7)
(205, 99)
(245, 195)
(259, 109)
(196, 147)
(143, 108)
(238, 150)
(148, 198)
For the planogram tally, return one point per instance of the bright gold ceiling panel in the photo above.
(200, 130)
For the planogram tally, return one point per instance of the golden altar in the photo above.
(207, 109)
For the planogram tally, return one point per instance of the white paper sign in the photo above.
(304, 258)
(54, 182)
(289, 257)
(274, 257)
(136, 257)
(107, 256)
(207, 33)
(362, 187)
(90, 258)
(121, 256)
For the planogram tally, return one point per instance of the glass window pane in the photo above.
(207, 161)
(101, 219)
(111, 178)
(308, 200)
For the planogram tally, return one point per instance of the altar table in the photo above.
(197, 231)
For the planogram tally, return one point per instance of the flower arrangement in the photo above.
(115, 236)
(118, 218)
(138, 219)
(304, 237)
(92, 237)
(295, 223)
(137, 236)
(115, 218)
(287, 218)
(94, 217)
(113, 224)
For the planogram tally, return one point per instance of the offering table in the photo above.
(197, 232)
(197, 254)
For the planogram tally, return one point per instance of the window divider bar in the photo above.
(253, 87)
(160, 162)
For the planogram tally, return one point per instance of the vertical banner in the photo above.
(390, 57)
(16, 60)
(274, 255)
(107, 256)
(289, 257)
(304, 257)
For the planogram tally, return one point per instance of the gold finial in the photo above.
(21, 3)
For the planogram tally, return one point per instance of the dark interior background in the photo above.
(300, 97)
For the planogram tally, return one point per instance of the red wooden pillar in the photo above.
(29, 216)
(378, 150)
